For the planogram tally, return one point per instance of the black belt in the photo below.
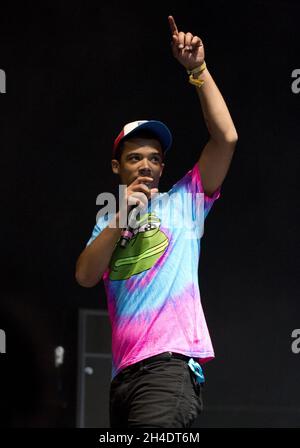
(160, 356)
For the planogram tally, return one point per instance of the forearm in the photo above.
(95, 258)
(215, 111)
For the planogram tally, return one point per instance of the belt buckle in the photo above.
(163, 356)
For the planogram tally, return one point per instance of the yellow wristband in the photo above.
(195, 81)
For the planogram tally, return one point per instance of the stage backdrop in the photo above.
(71, 75)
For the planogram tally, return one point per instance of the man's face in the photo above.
(140, 157)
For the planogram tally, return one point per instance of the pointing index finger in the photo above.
(173, 26)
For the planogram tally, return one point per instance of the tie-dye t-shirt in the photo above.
(152, 287)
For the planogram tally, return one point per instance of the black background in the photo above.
(75, 73)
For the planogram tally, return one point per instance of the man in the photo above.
(159, 333)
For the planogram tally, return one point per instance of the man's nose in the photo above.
(144, 168)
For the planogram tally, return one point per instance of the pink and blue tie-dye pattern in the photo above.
(159, 309)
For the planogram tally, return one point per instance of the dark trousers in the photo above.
(159, 392)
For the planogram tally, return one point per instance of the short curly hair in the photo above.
(142, 133)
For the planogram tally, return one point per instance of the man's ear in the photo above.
(162, 168)
(115, 166)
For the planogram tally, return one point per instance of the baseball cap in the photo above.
(159, 129)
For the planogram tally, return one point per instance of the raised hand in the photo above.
(186, 48)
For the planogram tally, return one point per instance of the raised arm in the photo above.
(216, 156)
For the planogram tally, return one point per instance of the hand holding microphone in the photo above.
(136, 195)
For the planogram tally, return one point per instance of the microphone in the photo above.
(127, 233)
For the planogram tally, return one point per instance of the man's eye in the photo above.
(155, 158)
